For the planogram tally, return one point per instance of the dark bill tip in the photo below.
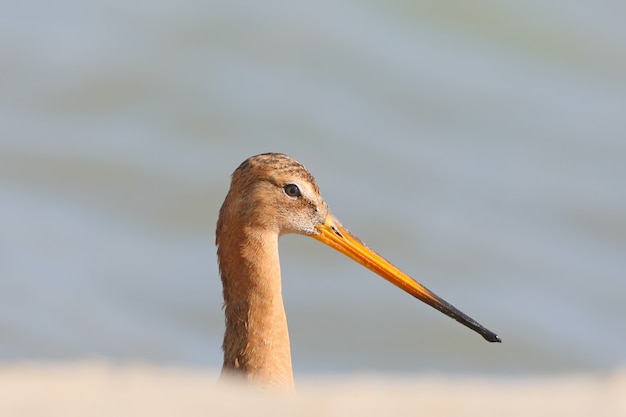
(491, 337)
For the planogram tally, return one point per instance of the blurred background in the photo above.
(479, 146)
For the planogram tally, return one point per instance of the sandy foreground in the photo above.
(94, 388)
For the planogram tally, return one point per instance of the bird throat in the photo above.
(256, 342)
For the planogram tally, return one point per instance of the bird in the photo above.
(270, 195)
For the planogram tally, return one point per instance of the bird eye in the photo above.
(292, 190)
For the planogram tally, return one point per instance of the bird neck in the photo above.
(256, 341)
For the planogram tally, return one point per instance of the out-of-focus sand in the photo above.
(97, 389)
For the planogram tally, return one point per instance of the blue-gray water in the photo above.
(480, 147)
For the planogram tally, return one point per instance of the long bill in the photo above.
(333, 234)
